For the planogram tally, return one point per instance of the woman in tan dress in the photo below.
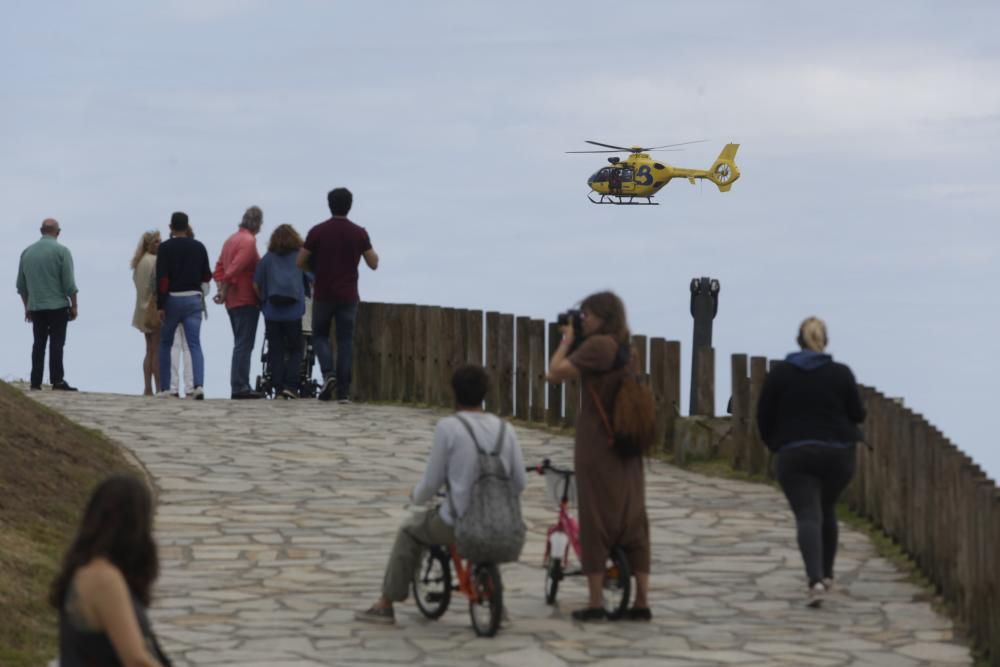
(611, 490)
(144, 277)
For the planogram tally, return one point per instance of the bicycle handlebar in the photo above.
(546, 466)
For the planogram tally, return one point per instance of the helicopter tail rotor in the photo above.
(724, 171)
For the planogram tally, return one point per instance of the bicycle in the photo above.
(565, 533)
(479, 582)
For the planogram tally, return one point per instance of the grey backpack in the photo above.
(491, 530)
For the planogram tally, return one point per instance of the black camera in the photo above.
(574, 318)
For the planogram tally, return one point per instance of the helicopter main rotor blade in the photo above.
(658, 150)
(683, 143)
(598, 143)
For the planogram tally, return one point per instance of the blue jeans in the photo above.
(344, 315)
(186, 312)
(244, 322)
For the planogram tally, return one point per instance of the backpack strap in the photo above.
(501, 441)
(600, 411)
(468, 427)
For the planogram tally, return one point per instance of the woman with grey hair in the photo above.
(234, 277)
(808, 414)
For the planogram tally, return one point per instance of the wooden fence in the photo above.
(917, 487)
(407, 353)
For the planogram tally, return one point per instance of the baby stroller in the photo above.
(308, 387)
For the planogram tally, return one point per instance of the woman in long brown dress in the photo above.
(611, 490)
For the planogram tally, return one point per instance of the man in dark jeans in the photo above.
(48, 290)
(233, 274)
(332, 251)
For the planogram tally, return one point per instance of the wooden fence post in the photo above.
(757, 456)
(658, 385)
(492, 360)
(434, 360)
(420, 354)
(536, 358)
(639, 346)
(455, 350)
(474, 337)
(407, 337)
(390, 352)
(740, 402)
(522, 387)
(555, 407)
(361, 389)
(671, 389)
(506, 363)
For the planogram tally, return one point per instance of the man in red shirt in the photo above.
(234, 277)
(332, 251)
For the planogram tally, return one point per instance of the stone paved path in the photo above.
(275, 519)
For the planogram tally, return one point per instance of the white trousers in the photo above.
(180, 344)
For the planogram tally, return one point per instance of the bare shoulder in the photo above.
(98, 575)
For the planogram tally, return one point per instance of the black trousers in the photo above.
(49, 327)
(284, 353)
(813, 477)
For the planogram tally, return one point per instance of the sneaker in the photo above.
(381, 615)
(36, 387)
(816, 594)
(247, 395)
(590, 614)
(288, 394)
(828, 582)
(343, 401)
(62, 385)
(638, 614)
(326, 392)
(197, 395)
(165, 394)
(174, 394)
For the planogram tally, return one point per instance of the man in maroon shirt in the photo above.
(332, 251)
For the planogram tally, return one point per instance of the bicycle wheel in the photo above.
(486, 607)
(617, 584)
(432, 583)
(553, 575)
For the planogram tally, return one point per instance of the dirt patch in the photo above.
(48, 467)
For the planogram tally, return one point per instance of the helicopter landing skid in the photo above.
(619, 200)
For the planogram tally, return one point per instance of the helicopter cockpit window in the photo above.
(601, 175)
(626, 174)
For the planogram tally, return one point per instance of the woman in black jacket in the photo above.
(808, 414)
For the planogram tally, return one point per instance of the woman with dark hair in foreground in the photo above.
(106, 580)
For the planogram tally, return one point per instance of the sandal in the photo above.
(590, 614)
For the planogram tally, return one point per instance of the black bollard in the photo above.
(704, 306)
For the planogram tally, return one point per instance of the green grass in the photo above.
(48, 467)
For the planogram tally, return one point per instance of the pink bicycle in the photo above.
(565, 533)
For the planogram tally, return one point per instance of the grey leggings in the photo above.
(813, 477)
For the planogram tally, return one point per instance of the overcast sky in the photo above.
(869, 136)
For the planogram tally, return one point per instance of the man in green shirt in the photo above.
(45, 283)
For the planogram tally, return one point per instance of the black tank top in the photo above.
(80, 646)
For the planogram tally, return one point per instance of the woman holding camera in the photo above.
(611, 489)
(808, 414)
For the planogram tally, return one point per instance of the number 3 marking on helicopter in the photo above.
(644, 176)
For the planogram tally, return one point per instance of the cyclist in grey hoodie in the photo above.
(808, 414)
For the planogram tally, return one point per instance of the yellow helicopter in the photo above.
(640, 176)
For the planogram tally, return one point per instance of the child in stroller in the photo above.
(308, 387)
